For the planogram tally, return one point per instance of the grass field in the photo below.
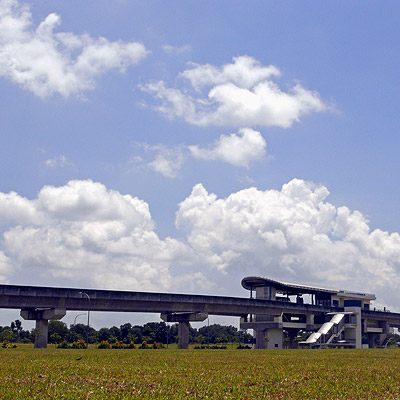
(26, 373)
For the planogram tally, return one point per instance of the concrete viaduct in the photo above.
(334, 316)
(44, 303)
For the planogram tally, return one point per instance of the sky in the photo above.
(181, 146)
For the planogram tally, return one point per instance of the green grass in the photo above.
(26, 373)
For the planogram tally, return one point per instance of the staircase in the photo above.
(328, 331)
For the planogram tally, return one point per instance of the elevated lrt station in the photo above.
(335, 318)
(275, 310)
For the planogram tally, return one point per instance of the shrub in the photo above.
(144, 345)
(245, 347)
(213, 347)
(79, 344)
(104, 345)
(112, 339)
(63, 345)
(131, 345)
(7, 345)
(118, 345)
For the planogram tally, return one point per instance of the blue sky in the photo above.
(180, 146)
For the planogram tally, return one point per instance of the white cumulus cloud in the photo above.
(292, 234)
(5, 267)
(240, 94)
(85, 233)
(237, 149)
(241, 150)
(17, 209)
(45, 62)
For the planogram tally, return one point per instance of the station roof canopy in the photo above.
(253, 282)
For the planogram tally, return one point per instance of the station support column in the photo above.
(310, 322)
(271, 338)
(354, 330)
(183, 334)
(183, 320)
(42, 316)
(268, 328)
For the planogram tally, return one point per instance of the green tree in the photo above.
(55, 338)
(104, 334)
(16, 327)
(8, 335)
(57, 328)
(125, 331)
(200, 339)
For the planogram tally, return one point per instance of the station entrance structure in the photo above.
(335, 317)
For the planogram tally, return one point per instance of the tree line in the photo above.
(150, 332)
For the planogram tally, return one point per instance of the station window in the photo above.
(335, 303)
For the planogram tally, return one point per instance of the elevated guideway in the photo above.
(31, 297)
(276, 309)
(44, 303)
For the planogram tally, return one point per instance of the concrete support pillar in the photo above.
(372, 340)
(42, 317)
(292, 334)
(269, 338)
(42, 330)
(183, 333)
(354, 332)
(274, 338)
(386, 327)
(310, 321)
(183, 320)
(260, 339)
